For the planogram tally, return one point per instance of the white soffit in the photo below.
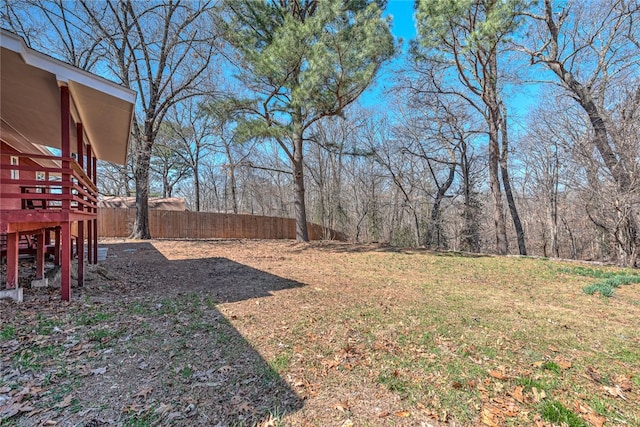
(30, 101)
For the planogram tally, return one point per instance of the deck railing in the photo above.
(64, 184)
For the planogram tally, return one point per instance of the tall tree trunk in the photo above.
(232, 183)
(470, 240)
(232, 180)
(616, 163)
(616, 166)
(302, 234)
(434, 239)
(490, 98)
(553, 205)
(499, 222)
(165, 184)
(141, 224)
(196, 184)
(506, 182)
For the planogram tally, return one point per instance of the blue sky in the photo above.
(403, 27)
(521, 99)
(402, 13)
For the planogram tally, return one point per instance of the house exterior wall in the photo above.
(6, 172)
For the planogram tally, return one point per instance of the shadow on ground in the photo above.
(149, 271)
(147, 346)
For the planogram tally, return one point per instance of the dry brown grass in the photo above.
(251, 332)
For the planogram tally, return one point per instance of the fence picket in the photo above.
(118, 222)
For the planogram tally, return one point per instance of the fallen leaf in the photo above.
(594, 374)
(595, 420)
(497, 374)
(26, 408)
(271, 421)
(489, 418)
(347, 423)
(143, 393)
(538, 396)
(383, 414)
(564, 364)
(173, 416)
(589, 414)
(341, 406)
(133, 407)
(517, 394)
(50, 423)
(614, 391)
(331, 363)
(99, 371)
(65, 402)
(244, 407)
(623, 382)
(403, 414)
(225, 369)
(163, 409)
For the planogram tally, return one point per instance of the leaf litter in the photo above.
(238, 332)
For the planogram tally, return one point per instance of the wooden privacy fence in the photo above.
(115, 222)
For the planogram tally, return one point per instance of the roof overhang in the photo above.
(30, 102)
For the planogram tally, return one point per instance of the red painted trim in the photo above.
(56, 252)
(40, 250)
(80, 141)
(66, 247)
(89, 168)
(95, 241)
(80, 242)
(94, 174)
(90, 242)
(12, 260)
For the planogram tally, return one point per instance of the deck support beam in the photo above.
(65, 278)
(89, 170)
(40, 251)
(94, 175)
(80, 240)
(12, 260)
(56, 250)
(80, 244)
(65, 232)
(13, 290)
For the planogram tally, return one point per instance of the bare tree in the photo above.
(167, 160)
(457, 52)
(590, 47)
(162, 50)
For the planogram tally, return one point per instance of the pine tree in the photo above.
(302, 61)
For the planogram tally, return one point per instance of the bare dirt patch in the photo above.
(281, 333)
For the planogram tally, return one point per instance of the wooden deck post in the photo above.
(56, 251)
(94, 175)
(80, 242)
(89, 169)
(81, 253)
(65, 279)
(12, 260)
(65, 233)
(80, 144)
(40, 251)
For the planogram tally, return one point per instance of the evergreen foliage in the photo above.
(302, 61)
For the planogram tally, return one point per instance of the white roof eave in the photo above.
(64, 72)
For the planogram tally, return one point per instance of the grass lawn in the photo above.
(324, 334)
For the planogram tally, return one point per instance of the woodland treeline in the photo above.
(503, 127)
